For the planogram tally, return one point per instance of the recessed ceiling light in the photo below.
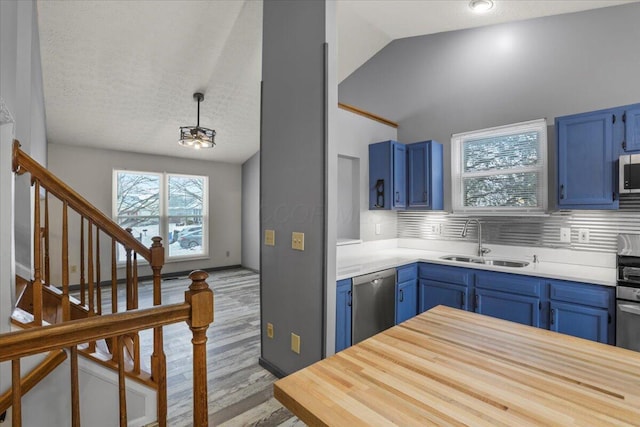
(481, 6)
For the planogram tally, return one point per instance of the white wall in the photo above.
(89, 172)
(251, 213)
(354, 134)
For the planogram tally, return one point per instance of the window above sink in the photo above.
(500, 170)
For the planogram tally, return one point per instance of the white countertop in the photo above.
(370, 258)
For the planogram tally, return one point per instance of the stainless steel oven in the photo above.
(628, 292)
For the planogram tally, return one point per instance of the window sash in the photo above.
(199, 214)
(539, 168)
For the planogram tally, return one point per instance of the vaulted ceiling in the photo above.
(121, 74)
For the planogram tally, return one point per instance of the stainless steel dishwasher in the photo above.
(374, 304)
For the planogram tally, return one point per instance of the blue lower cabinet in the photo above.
(343, 314)
(406, 292)
(505, 305)
(510, 297)
(433, 293)
(581, 321)
(406, 301)
(583, 310)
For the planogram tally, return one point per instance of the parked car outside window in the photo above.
(190, 240)
(179, 231)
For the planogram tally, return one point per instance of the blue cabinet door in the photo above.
(586, 160)
(508, 306)
(632, 129)
(406, 292)
(387, 175)
(424, 170)
(581, 321)
(343, 314)
(406, 301)
(433, 293)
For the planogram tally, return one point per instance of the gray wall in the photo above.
(458, 81)
(251, 213)
(354, 134)
(293, 180)
(89, 171)
(21, 90)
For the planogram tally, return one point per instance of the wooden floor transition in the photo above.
(240, 390)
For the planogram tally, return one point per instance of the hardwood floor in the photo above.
(240, 390)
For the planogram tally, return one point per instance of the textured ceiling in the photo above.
(121, 74)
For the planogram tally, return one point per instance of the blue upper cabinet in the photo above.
(387, 175)
(631, 119)
(424, 181)
(586, 161)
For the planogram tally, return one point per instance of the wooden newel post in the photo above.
(200, 297)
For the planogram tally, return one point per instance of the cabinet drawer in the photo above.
(581, 293)
(407, 272)
(513, 283)
(441, 273)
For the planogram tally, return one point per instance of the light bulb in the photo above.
(481, 6)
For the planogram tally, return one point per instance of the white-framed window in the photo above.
(500, 170)
(172, 206)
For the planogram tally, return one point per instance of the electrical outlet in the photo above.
(583, 235)
(295, 343)
(436, 229)
(74, 268)
(270, 330)
(565, 234)
(270, 237)
(297, 241)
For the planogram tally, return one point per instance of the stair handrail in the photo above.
(22, 163)
(196, 310)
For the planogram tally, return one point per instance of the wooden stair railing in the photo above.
(197, 311)
(93, 228)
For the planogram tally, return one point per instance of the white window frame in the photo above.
(163, 201)
(458, 174)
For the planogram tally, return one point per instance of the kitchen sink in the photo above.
(476, 260)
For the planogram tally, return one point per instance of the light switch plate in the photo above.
(269, 330)
(378, 228)
(270, 237)
(583, 235)
(295, 343)
(297, 241)
(565, 234)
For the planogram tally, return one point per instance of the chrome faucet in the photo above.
(481, 250)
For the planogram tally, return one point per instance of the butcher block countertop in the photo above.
(452, 367)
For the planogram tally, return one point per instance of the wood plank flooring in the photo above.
(240, 390)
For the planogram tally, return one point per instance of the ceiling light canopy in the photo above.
(196, 136)
(481, 6)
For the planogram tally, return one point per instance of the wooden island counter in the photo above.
(451, 367)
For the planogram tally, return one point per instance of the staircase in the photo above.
(101, 325)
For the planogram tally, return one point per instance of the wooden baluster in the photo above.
(200, 297)
(114, 294)
(121, 384)
(66, 307)
(37, 259)
(135, 337)
(47, 265)
(75, 388)
(83, 299)
(90, 275)
(134, 289)
(16, 390)
(98, 291)
(158, 359)
(129, 276)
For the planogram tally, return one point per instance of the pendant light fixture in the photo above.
(196, 136)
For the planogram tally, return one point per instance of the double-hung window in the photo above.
(171, 206)
(500, 170)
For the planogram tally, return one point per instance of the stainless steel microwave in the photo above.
(629, 168)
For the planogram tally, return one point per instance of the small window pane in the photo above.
(138, 194)
(506, 190)
(501, 152)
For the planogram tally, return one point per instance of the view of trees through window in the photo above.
(502, 168)
(167, 205)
